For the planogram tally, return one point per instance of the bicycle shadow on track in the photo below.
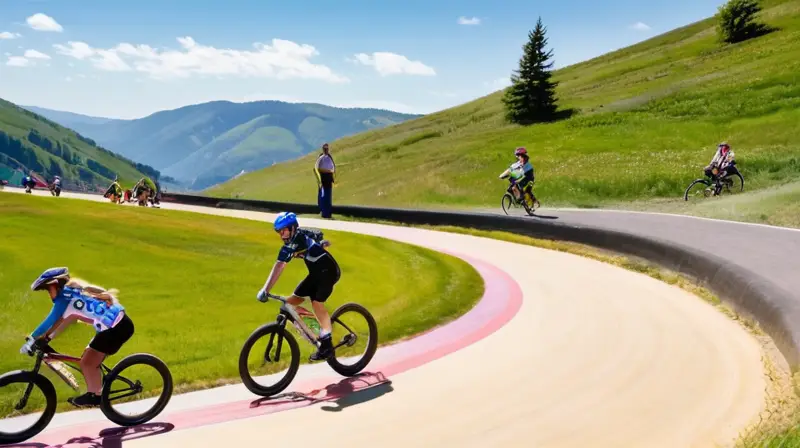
(534, 215)
(345, 393)
(107, 438)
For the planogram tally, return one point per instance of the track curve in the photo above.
(595, 356)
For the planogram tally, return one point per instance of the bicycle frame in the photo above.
(287, 312)
(71, 361)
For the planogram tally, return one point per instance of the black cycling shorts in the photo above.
(318, 286)
(110, 341)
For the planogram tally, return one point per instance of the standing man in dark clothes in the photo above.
(324, 168)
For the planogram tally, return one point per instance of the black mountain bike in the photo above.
(17, 404)
(703, 188)
(267, 382)
(530, 205)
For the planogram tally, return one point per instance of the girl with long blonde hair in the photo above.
(75, 299)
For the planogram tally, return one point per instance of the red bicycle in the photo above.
(17, 404)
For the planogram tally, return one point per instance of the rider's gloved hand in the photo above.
(27, 348)
(262, 295)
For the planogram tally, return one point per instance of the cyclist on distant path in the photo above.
(323, 273)
(143, 189)
(520, 176)
(73, 299)
(114, 192)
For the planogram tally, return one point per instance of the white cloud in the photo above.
(469, 21)
(393, 64)
(9, 35)
(77, 50)
(18, 61)
(42, 22)
(33, 54)
(282, 59)
(640, 26)
(68, 79)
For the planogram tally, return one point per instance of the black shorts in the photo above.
(111, 340)
(318, 286)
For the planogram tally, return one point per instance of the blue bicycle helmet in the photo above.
(49, 276)
(284, 220)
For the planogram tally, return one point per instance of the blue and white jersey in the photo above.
(72, 302)
(306, 242)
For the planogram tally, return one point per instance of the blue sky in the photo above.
(129, 59)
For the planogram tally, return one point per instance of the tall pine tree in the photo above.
(531, 97)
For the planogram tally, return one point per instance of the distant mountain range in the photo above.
(206, 144)
(31, 143)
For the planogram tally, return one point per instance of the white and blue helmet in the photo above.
(49, 276)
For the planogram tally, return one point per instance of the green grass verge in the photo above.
(189, 281)
(778, 206)
(649, 119)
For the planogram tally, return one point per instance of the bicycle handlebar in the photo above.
(277, 297)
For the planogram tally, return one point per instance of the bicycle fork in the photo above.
(24, 400)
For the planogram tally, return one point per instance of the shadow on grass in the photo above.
(345, 393)
(559, 115)
(754, 31)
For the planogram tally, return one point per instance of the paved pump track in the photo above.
(560, 351)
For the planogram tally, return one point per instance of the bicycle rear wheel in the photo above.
(121, 395)
(733, 184)
(261, 375)
(21, 395)
(350, 323)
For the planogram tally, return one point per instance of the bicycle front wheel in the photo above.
(27, 404)
(699, 188)
(507, 202)
(261, 372)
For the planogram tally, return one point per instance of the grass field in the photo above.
(189, 282)
(649, 118)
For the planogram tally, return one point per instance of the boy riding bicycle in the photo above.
(520, 176)
(323, 273)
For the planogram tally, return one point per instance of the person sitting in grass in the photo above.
(723, 161)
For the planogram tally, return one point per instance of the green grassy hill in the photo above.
(649, 118)
(249, 146)
(33, 143)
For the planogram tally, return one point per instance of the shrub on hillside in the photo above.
(737, 21)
